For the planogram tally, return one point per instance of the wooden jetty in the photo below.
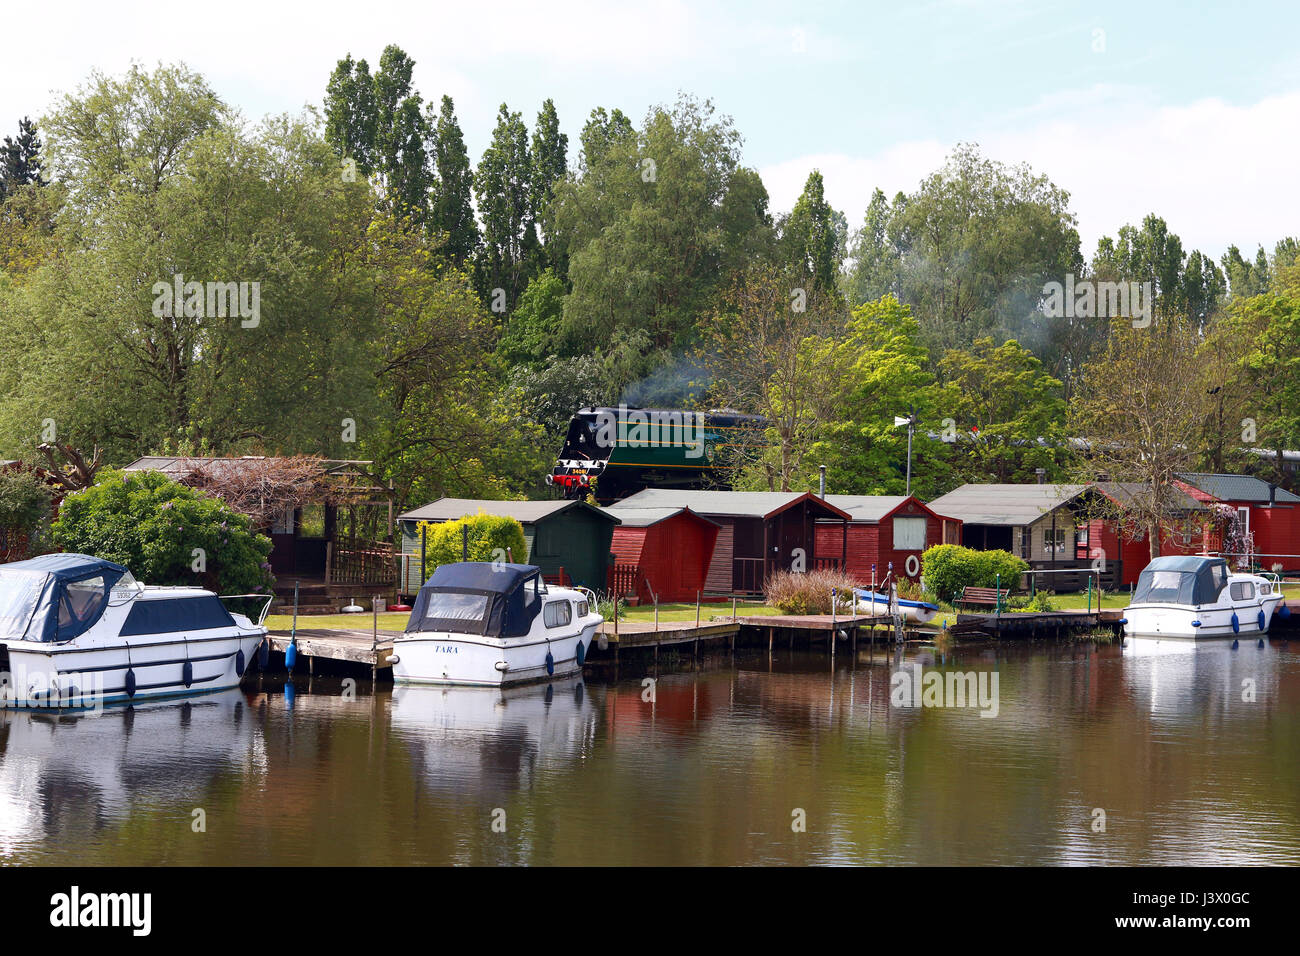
(1033, 624)
(346, 645)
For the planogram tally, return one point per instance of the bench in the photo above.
(984, 597)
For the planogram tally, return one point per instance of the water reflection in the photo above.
(1190, 752)
(66, 779)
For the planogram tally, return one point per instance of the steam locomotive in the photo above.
(619, 451)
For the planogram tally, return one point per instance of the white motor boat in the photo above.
(1194, 598)
(877, 604)
(78, 632)
(491, 624)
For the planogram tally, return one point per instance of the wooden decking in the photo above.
(1034, 624)
(349, 646)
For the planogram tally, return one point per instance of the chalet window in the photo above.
(557, 613)
(909, 534)
(1054, 540)
(283, 523)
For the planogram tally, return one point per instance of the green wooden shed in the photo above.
(568, 535)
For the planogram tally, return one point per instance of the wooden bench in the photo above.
(984, 597)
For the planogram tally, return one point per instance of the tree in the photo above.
(813, 235)
(351, 113)
(1009, 410)
(504, 184)
(532, 330)
(20, 160)
(26, 504)
(876, 370)
(753, 348)
(452, 211)
(875, 259)
(165, 533)
(972, 248)
(656, 224)
(1270, 324)
(1138, 408)
(550, 164)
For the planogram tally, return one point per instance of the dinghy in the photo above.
(877, 604)
(1198, 597)
(492, 624)
(78, 632)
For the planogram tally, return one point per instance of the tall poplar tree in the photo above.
(452, 209)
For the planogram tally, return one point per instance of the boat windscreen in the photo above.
(19, 593)
(454, 611)
(1181, 587)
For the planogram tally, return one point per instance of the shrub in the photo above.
(1041, 601)
(491, 538)
(947, 568)
(25, 511)
(807, 592)
(153, 525)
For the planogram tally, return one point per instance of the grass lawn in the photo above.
(686, 612)
(359, 622)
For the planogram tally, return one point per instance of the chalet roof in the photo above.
(730, 504)
(645, 517)
(525, 512)
(1239, 488)
(1123, 492)
(1009, 505)
(871, 507)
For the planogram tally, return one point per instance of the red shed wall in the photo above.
(676, 557)
(1276, 531)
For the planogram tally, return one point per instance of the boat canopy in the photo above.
(1182, 580)
(56, 597)
(479, 597)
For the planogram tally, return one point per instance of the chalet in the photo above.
(661, 553)
(1055, 529)
(759, 532)
(886, 531)
(1268, 516)
(568, 540)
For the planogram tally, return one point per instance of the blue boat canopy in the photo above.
(55, 597)
(479, 597)
(1182, 579)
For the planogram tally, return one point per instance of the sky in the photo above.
(1191, 111)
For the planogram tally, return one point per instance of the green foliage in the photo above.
(25, 507)
(452, 213)
(153, 525)
(947, 568)
(506, 193)
(491, 538)
(532, 328)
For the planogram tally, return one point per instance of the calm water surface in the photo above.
(711, 772)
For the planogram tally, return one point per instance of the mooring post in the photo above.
(834, 595)
(374, 641)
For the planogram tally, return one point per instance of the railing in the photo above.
(748, 575)
(623, 578)
(362, 567)
(827, 564)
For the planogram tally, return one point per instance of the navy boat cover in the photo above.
(1181, 579)
(479, 597)
(55, 597)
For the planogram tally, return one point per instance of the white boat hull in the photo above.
(93, 673)
(880, 608)
(468, 660)
(1176, 620)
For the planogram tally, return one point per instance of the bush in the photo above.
(491, 538)
(947, 568)
(153, 525)
(25, 511)
(808, 592)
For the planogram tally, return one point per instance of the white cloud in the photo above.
(1218, 173)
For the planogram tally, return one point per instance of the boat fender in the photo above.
(239, 662)
(264, 653)
(550, 663)
(291, 654)
(582, 654)
(1260, 619)
(1196, 624)
(394, 659)
(187, 674)
(1122, 621)
(1261, 643)
(1235, 643)
(130, 682)
(1236, 623)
